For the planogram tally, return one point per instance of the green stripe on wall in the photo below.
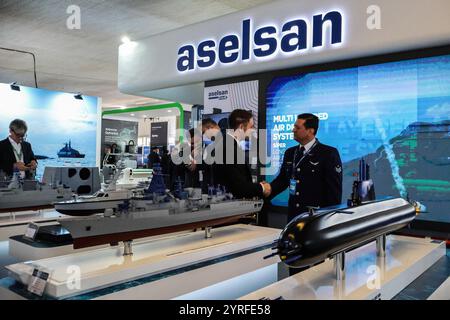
(153, 107)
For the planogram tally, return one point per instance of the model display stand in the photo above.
(104, 269)
(12, 224)
(25, 249)
(360, 273)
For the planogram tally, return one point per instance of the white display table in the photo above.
(367, 276)
(15, 223)
(163, 268)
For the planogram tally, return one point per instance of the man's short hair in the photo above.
(238, 117)
(18, 126)
(311, 121)
(208, 123)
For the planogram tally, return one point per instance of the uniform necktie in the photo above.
(302, 151)
(300, 154)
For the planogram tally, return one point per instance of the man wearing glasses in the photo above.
(15, 153)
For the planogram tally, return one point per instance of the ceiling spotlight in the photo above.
(132, 114)
(125, 40)
(78, 96)
(14, 86)
(169, 110)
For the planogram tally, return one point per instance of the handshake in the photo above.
(267, 189)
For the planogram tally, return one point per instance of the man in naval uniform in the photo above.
(312, 171)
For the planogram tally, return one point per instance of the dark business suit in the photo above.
(153, 158)
(318, 176)
(235, 177)
(7, 157)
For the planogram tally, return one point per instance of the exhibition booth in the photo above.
(378, 79)
(137, 130)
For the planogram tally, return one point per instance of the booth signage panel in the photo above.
(158, 135)
(279, 35)
(119, 132)
(229, 97)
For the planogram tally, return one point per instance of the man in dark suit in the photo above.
(15, 153)
(232, 170)
(312, 171)
(210, 131)
(153, 158)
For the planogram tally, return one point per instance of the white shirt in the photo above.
(17, 153)
(17, 150)
(236, 139)
(228, 133)
(308, 145)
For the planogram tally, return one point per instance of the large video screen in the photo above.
(395, 114)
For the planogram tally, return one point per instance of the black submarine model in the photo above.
(312, 237)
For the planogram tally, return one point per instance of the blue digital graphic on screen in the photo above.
(396, 115)
(62, 130)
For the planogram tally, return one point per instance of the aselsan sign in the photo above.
(266, 41)
(280, 35)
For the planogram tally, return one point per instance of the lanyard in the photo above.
(18, 154)
(294, 166)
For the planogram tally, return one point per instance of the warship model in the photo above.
(129, 178)
(19, 194)
(90, 204)
(68, 152)
(158, 211)
(120, 188)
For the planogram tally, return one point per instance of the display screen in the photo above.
(395, 114)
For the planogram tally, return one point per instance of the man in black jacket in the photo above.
(153, 158)
(231, 169)
(312, 171)
(15, 153)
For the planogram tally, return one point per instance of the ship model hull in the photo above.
(86, 208)
(100, 229)
(310, 239)
(31, 199)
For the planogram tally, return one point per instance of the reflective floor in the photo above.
(425, 285)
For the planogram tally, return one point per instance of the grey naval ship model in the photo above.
(120, 188)
(20, 194)
(158, 211)
(90, 204)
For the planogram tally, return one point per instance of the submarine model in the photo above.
(312, 237)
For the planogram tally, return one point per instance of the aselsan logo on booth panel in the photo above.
(218, 95)
(264, 42)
